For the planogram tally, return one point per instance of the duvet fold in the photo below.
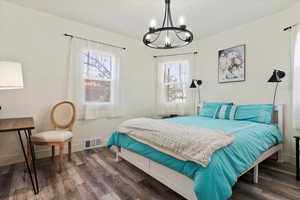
(187, 143)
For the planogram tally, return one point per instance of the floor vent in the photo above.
(92, 143)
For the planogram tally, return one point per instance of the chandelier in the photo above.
(168, 36)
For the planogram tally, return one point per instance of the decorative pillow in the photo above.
(209, 109)
(225, 112)
(261, 113)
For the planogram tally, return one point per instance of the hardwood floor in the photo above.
(93, 174)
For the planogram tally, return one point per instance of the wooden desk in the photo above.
(23, 125)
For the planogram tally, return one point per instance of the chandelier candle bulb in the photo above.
(187, 36)
(152, 23)
(181, 21)
(148, 37)
(167, 41)
(151, 28)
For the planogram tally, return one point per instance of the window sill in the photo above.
(99, 104)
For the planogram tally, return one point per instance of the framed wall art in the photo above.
(231, 64)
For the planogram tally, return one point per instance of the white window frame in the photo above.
(113, 76)
(295, 60)
(184, 63)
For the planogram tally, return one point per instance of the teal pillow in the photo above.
(261, 113)
(209, 109)
(226, 111)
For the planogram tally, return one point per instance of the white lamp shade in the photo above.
(11, 76)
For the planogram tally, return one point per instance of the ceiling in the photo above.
(131, 17)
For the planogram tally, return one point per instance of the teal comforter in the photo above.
(215, 181)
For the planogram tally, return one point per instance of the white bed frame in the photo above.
(181, 183)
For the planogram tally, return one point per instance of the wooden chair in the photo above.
(62, 118)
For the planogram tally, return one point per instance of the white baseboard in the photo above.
(43, 152)
(289, 158)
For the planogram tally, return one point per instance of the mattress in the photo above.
(216, 180)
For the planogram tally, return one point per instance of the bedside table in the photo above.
(297, 157)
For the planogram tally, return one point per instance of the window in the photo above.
(175, 80)
(98, 73)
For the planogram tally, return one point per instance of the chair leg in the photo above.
(53, 152)
(70, 150)
(61, 157)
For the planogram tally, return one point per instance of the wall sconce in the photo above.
(196, 84)
(276, 78)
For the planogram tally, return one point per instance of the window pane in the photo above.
(97, 66)
(175, 93)
(97, 91)
(98, 69)
(175, 72)
(175, 79)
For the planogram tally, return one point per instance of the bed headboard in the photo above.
(277, 116)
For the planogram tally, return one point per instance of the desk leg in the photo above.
(27, 163)
(297, 160)
(33, 160)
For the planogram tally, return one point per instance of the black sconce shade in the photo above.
(193, 84)
(276, 76)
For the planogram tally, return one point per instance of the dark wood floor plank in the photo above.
(19, 177)
(85, 192)
(6, 181)
(128, 173)
(257, 192)
(94, 175)
(281, 167)
(4, 170)
(120, 188)
(97, 188)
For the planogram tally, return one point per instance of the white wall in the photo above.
(267, 48)
(35, 39)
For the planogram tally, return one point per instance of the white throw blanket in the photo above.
(187, 143)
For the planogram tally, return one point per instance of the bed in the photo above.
(254, 143)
